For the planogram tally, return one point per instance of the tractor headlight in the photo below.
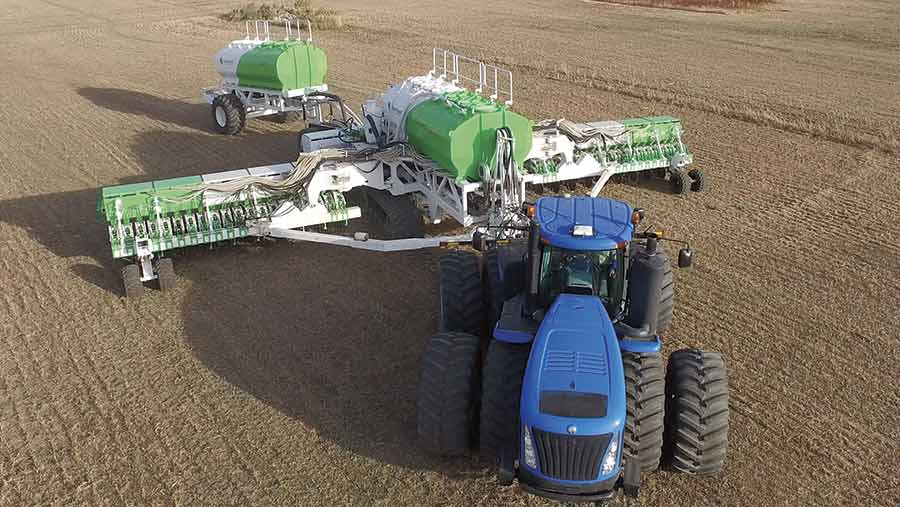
(609, 461)
(528, 444)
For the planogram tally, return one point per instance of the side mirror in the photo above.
(685, 257)
(478, 241)
(637, 216)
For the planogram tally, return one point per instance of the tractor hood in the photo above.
(574, 380)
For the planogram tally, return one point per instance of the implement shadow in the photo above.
(66, 223)
(330, 336)
(175, 111)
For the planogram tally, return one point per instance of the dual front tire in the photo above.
(678, 415)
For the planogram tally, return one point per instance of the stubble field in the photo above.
(285, 374)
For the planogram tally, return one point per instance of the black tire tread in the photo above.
(679, 181)
(462, 300)
(131, 279)
(696, 412)
(165, 270)
(666, 300)
(698, 180)
(401, 219)
(645, 394)
(501, 392)
(447, 394)
(235, 114)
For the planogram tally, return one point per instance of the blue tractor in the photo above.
(549, 358)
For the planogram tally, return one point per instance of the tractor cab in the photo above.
(582, 249)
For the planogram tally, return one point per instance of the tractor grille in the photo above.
(570, 457)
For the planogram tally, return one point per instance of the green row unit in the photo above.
(646, 131)
(459, 132)
(282, 66)
(635, 144)
(171, 215)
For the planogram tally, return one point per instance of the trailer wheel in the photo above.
(501, 391)
(447, 400)
(679, 181)
(696, 438)
(645, 393)
(131, 279)
(462, 299)
(504, 269)
(666, 295)
(392, 217)
(229, 115)
(698, 180)
(165, 270)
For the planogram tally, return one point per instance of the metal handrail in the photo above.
(261, 30)
(491, 79)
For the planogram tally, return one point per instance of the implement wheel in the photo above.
(165, 270)
(447, 400)
(462, 299)
(645, 392)
(696, 438)
(228, 113)
(131, 279)
(392, 217)
(679, 181)
(698, 180)
(501, 391)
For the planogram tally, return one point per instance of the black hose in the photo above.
(375, 132)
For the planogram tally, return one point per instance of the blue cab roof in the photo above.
(609, 218)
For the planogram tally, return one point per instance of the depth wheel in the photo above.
(392, 217)
(698, 180)
(229, 115)
(696, 439)
(131, 279)
(462, 299)
(447, 400)
(679, 181)
(165, 271)
(501, 392)
(645, 392)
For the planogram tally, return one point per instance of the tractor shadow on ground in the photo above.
(66, 223)
(168, 110)
(331, 337)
